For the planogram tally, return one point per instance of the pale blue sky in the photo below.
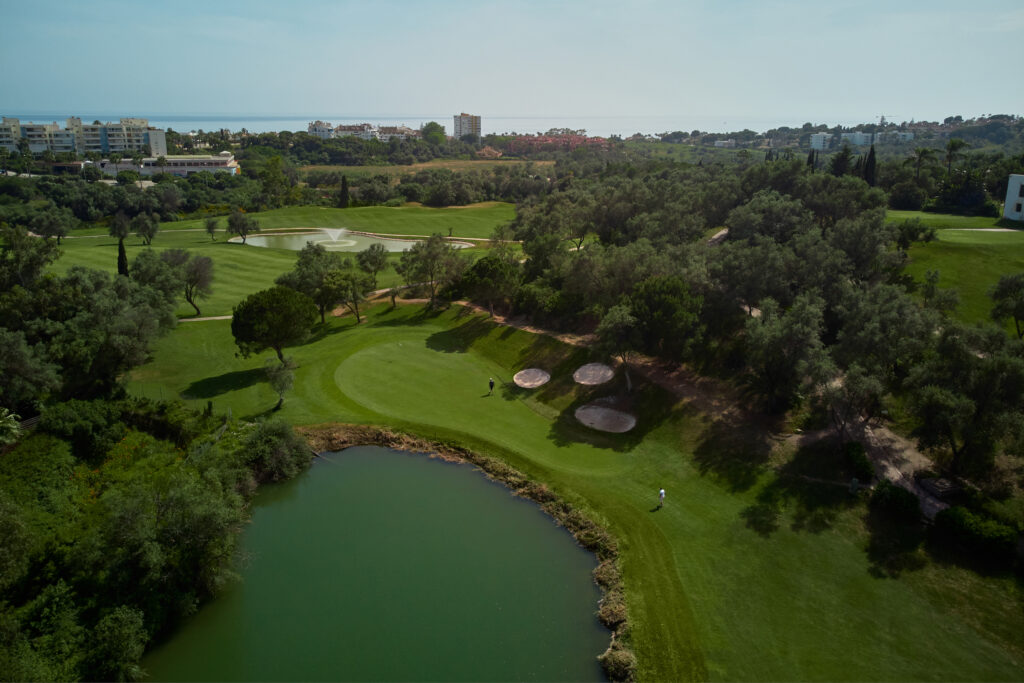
(791, 60)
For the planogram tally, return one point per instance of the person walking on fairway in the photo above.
(661, 498)
(490, 386)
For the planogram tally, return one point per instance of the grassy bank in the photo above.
(748, 573)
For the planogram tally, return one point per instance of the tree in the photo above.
(23, 259)
(28, 376)
(117, 644)
(953, 147)
(161, 161)
(347, 287)
(210, 224)
(120, 226)
(343, 196)
(433, 133)
(312, 265)
(668, 315)
(433, 262)
(372, 260)
(272, 319)
(242, 225)
(1008, 297)
(491, 278)
(841, 161)
(919, 157)
(194, 274)
(617, 335)
(52, 222)
(145, 226)
(281, 377)
(870, 170)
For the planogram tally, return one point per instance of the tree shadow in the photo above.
(459, 339)
(813, 487)
(221, 384)
(894, 547)
(649, 404)
(734, 452)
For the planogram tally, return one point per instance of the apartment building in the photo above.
(820, 141)
(175, 165)
(1014, 206)
(127, 136)
(466, 124)
(857, 138)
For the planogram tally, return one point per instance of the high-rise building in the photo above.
(466, 124)
(129, 135)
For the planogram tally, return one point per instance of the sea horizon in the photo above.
(602, 126)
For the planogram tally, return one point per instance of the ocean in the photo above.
(593, 125)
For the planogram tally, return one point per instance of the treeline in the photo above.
(303, 149)
(118, 517)
(804, 301)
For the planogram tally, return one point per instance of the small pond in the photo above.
(331, 240)
(378, 565)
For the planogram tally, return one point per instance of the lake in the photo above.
(379, 565)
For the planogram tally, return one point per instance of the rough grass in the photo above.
(747, 573)
(944, 221)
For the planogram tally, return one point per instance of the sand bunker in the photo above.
(531, 378)
(605, 419)
(593, 373)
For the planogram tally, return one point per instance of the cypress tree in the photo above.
(869, 167)
(810, 160)
(343, 193)
(122, 259)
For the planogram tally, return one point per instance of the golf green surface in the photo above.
(378, 565)
(747, 573)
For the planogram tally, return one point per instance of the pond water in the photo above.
(331, 240)
(378, 565)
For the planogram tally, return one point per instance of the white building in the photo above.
(857, 138)
(127, 136)
(385, 133)
(1014, 206)
(466, 124)
(727, 144)
(175, 165)
(321, 129)
(820, 141)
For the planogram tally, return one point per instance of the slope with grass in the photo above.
(748, 573)
(972, 262)
(945, 221)
(240, 270)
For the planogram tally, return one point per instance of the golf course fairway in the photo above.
(749, 572)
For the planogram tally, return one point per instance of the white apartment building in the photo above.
(466, 124)
(385, 133)
(726, 144)
(321, 129)
(128, 136)
(175, 165)
(820, 141)
(858, 138)
(1013, 208)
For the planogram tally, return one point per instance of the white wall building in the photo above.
(857, 138)
(176, 165)
(321, 129)
(1014, 206)
(820, 141)
(466, 124)
(125, 137)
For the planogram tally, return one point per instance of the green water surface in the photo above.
(378, 565)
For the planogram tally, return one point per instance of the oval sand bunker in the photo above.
(531, 378)
(605, 419)
(593, 373)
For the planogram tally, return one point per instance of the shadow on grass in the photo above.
(650, 404)
(221, 384)
(734, 452)
(460, 338)
(894, 546)
(813, 487)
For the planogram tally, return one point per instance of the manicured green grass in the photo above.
(746, 574)
(241, 270)
(971, 262)
(944, 221)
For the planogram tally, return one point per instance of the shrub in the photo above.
(895, 504)
(274, 452)
(91, 427)
(858, 462)
(619, 663)
(975, 536)
(612, 611)
(907, 195)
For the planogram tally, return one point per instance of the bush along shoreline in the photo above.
(618, 660)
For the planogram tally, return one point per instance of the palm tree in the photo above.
(953, 148)
(919, 157)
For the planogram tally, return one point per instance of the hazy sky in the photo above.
(793, 60)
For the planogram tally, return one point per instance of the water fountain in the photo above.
(334, 241)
